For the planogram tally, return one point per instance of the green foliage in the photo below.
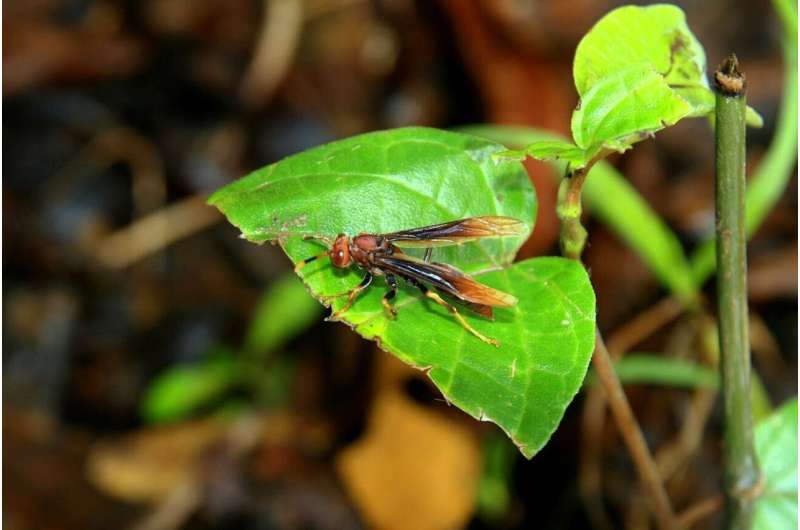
(548, 150)
(628, 214)
(404, 178)
(659, 370)
(182, 390)
(493, 498)
(624, 107)
(283, 311)
(657, 37)
(637, 71)
(380, 182)
(776, 447)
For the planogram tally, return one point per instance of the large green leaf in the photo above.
(776, 447)
(392, 180)
(382, 182)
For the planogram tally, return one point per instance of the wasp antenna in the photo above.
(325, 239)
(303, 263)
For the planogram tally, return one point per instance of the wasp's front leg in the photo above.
(352, 294)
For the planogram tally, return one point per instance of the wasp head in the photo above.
(340, 251)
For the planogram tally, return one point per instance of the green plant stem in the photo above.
(569, 209)
(770, 178)
(741, 468)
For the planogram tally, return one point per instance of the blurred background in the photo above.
(161, 373)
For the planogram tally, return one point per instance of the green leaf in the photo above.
(613, 200)
(551, 150)
(392, 180)
(494, 492)
(776, 447)
(753, 118)
(179, 391)
(639, 368)
(656, 37)
(382, 182)
(283, 311)
(525, 385)
(638, 70)
(624, 107)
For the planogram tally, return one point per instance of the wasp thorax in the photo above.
(340, 252)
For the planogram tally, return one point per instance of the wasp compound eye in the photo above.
(340, 252)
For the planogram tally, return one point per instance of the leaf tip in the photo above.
(509, 154)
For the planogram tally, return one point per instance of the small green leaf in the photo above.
(551, 150)
(624, 107)
(776, 447)
(753, 118)
(494, 492)
(638, 368)
(283, 311)
(638, 70)
(656, 37)
(405, 178)
(181, 390)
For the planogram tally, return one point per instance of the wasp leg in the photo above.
(390, 294)
(301, 264)
(427, 257)
(453, 311)
(352, 294)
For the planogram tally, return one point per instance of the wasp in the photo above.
(381, 255)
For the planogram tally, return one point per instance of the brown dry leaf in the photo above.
(148, 465)
(413, 468)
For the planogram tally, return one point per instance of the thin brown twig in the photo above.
(155, 231)
(632, 435)
(594, 412)
(643, 325)
(590, 479)
(281, 26)
(697, 512)
(672, 455)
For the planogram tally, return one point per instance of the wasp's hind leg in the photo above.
(352, 294)
(453, 311)
(390, 294)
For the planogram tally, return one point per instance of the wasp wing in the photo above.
(480, 298)
(457, 232)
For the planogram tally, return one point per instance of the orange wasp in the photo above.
(380, 255)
